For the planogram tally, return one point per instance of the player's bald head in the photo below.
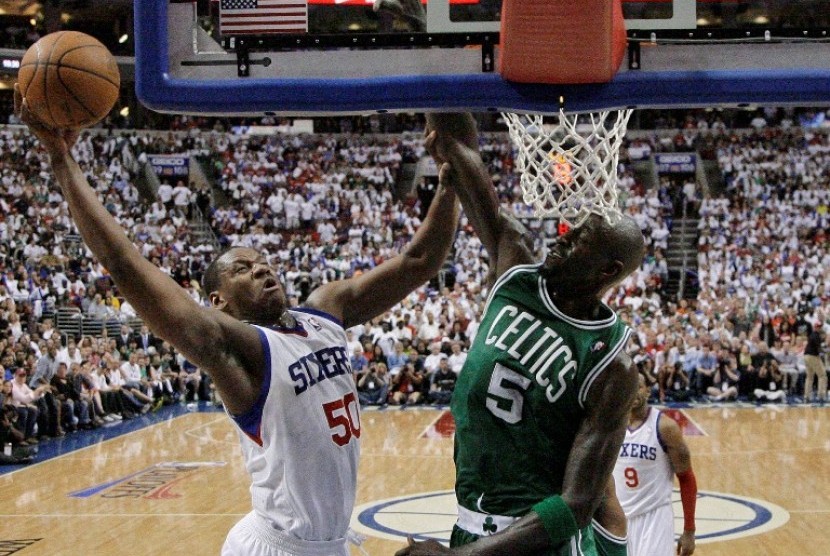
(621, 241)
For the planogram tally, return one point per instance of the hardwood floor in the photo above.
(178, 485)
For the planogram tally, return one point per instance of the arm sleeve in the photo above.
(688, 498)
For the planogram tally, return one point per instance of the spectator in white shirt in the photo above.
(182, 197)
(131, 372)
(386, 339)
(428, 330)
(457, 358)
(402, 331)
(69, 355)
(432, 360)
(165, 194)
(351, 342)
(25, 400)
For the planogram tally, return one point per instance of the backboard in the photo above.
(339, 56)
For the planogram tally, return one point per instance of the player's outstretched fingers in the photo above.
(431, 145)
(21, 110)
(57, 142)
(460, 126)
(18, 100)
(30, 120)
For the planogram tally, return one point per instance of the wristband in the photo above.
(557, 518)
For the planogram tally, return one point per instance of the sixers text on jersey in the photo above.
(640, 451)
(329, 362)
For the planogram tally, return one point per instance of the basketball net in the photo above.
(568, 162)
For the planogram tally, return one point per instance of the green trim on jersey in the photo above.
(519, 399)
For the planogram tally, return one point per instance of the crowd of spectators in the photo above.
(56, 382)
(762, 268)
(326, 207)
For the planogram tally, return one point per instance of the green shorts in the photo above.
(608, 545)
(594, 543)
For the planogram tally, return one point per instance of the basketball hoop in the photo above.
(568, 162)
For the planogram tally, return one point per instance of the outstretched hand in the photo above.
(423, 548)
(445, 146)
(437, 146)
(57, 142)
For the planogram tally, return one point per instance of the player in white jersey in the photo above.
(652, 453)
(283, 375)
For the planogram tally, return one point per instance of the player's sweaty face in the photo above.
(251, 286)
(570, 249)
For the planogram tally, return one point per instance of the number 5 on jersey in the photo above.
(343, 417)
(505, 394)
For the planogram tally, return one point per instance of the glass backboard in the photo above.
(340, 56)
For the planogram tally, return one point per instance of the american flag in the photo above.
(262, 17)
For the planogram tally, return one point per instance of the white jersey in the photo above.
(301, 439)
(643, 473)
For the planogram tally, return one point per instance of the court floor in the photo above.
(174, 483)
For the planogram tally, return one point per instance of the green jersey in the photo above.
(519, 399)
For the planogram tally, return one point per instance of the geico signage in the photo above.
(168, 161)
(170, 165)
(680, 163)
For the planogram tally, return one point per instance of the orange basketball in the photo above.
(69, 80)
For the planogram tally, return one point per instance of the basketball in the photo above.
(69, 80)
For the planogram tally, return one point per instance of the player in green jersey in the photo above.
(542, 401)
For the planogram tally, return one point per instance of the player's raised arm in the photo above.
(681, 463)
(363, 297)
(453, 138)
(229, 350)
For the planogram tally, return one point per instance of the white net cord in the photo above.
(568, 164)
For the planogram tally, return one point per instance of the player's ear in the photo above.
(613, 270)
(217, 300)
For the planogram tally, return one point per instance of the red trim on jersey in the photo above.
(257, 438)
(251, 421)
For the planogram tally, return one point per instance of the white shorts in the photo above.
(652, 533)
(252, 536)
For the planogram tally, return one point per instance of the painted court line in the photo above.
(796, 450)
(398, 455)
(192, 433)
(93, 445)
(431, 424)
(111, 514)
(695, 423)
